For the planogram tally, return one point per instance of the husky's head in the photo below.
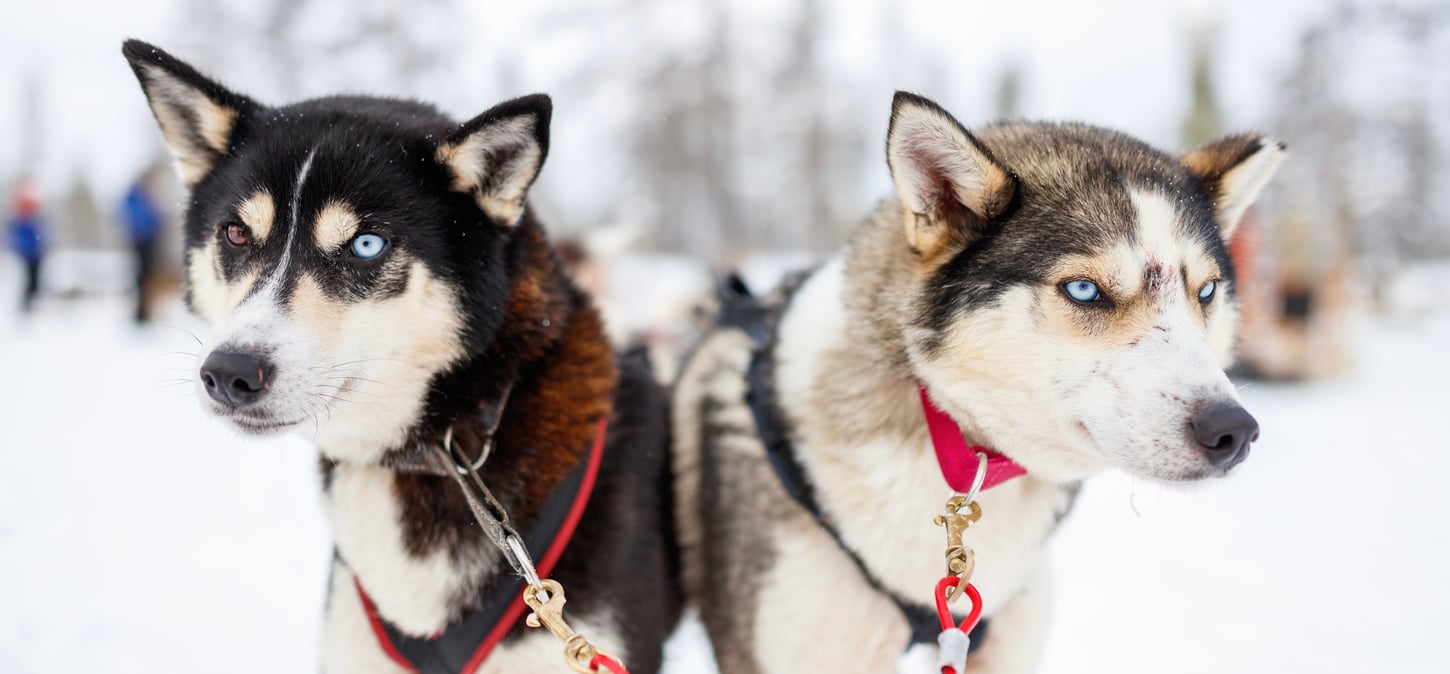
(346, 250)
(1073, 298)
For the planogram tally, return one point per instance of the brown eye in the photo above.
(239, 235)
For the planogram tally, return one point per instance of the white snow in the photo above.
(137, 536)
(1326, 551)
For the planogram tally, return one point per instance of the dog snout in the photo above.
(236, 379)
(1224, 431)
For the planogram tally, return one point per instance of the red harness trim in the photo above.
(377, 625)
(545, 566)
(957, 459)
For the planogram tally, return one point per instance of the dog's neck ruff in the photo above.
(958, 460)
(463, 646)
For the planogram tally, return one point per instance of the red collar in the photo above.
(957, 459)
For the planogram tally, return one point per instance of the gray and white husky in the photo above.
(1062, 291)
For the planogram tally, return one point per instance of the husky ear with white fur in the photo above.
(197, 116)
(948, 183)
(1235, 169)
(497, 155)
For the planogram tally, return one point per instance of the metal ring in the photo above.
(979, 478)
(461, 467)
(464, 467)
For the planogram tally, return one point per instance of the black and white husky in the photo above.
(1063, 293)
(376, 281)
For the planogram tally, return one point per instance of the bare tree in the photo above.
(1205, 119)
(1367, 171)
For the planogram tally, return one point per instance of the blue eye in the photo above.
(1082, 291)
(1206, 292)
(368, 246)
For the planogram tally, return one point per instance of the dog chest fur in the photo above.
(883, 487)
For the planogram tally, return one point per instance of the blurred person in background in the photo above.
(143, 227)
(27, 236)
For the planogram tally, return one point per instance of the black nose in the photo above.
(235, 379)
(1225, 431)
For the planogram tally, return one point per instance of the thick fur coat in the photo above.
(374, 278)
(1062, 291)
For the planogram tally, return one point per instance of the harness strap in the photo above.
(742, 311)
(462, 646)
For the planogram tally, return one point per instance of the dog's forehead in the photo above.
(316, 172)
(1086, 188)
(337, 166)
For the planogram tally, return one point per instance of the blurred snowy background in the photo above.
(693, 135)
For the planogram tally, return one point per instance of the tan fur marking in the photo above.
(455, 156)
(215, 124)
(470, 160)
(392, 374)
(258, 212)
(335, 226)
(426, 312)
(946, 183)
(208, 294)
(213, 298)
(1235, 169)
(1119, 274)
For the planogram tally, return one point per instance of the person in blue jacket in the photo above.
(143, 226)
(27, 237)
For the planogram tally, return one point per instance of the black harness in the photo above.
(462, 646)
(743, 311)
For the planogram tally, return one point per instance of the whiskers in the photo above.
(300, 393)
(183, 331)
(173, 377)
(347, 378)
(344, 384)
(180, 386)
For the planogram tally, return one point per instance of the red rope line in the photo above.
(943, 588)
(601, 660)
(944, 613)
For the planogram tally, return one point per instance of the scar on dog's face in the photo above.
(346, 251)
(1075, 295)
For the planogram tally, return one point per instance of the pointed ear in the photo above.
(197, 116)
(1235, 169)
(949, 184)
(497, 155)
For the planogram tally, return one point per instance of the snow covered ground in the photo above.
(137, 536)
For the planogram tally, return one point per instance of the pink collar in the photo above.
(957, 459)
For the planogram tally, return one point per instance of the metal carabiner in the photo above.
(549, 614)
